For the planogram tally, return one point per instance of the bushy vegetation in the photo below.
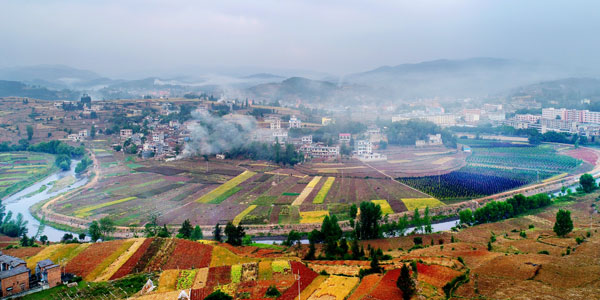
(563, 224)
(499, 210)
(286, 155)
(408, 132)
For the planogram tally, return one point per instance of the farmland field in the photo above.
(495, 167)
(21, 169)
(255, 193)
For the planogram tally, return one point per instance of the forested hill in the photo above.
(19, 89)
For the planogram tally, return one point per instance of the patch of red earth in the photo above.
(366, 285)
(218, 276)
(586, 155)
(189, 255)
(386, 289)
(126, 268)
(86, 261)
(306, 277)
(435, 275)
(22, 252)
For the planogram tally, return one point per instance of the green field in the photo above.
(21, 169)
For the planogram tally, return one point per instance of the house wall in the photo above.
(54, 276)
(15, 283)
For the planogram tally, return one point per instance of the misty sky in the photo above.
(129, 38)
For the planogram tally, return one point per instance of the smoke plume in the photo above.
(213, 135)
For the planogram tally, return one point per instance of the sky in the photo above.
(128, 38)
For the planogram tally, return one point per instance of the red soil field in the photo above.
(366, 285)
(86, 261)
(189, 255)
(133, 260)
(22, 252)
(218, 276)
(386, 289)
(436, 275)
(306, 277)
(586, 155)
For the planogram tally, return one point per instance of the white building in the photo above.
(307, 139)
(320, 150)
(83, 133)
(274, 123)
(432, 140)
(126, 133)
(295, 122)
(345, 137)
(363, 147)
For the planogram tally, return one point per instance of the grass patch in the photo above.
(320, 197)
(290, 194)
(225, 195)
(225, 187)
(86, 211)
(264, 200)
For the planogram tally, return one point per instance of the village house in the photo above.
(295, 122)
(125, 133)
(48, 273)
(320, 150)
(432, 140)
(14, 275)
(345, 137)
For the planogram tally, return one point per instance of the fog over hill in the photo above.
(447, 79)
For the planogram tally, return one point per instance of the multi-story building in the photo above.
(307, 139)
(363, 147)
(274, 123)
(345, 137)
(528, 118)
(126, 133)
(295, 122)
(320, 150)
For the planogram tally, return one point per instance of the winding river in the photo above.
(20, 203)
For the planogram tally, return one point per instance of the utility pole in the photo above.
(298, 284)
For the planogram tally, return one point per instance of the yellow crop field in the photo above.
(86, 211)
(306, 191)
(335, 287)
(307, 217)
(312, 287)
(386, 209)
(223, 257)
(201, 278)
(120, 261)
(264, 270)
(57, 253)
(240, 216)
(320, 197)
(223, 188)
(280, 266)
(412, 203)
(99, 269)
(167, 280)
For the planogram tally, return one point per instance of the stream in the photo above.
(20, 203)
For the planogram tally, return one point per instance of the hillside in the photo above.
(19, 89)
(455, 78)
(524, 259)
(566, 92)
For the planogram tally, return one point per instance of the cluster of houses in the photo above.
(161, 142)
(16, 278)
(572, 121)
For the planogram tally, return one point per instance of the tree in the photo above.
(417, 220)
(235, 235)
(29, 132)
(375, 267)
(563, 224)
(368, 225)
(405, 283)
(427, 221)
(43, 239)
(292, 238)
(197, 234)
(107, 227)
(587, 182)
(151, 228)
(93, 132)
(217, 233)
(353, 211)
(185, 232)
(94, 231)
(466, 216)
(218, 295)
(164, 232)
(272, 292)
(82, 236)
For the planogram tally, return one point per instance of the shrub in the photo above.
(523, 234)
(531, 226)
(462, 261)
(272, 292)
(544, 252)
(418, 240)
(579, 240)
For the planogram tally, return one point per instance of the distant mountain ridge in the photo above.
(19, 89)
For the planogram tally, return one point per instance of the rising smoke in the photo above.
(212, 135)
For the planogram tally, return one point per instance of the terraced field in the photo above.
(21, 169)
